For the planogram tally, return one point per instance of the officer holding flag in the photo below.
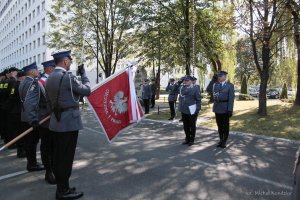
(64, 91)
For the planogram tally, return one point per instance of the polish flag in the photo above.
(115, 104)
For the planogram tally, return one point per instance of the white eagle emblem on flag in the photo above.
(120, 103)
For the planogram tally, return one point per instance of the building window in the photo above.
(33, 29)
(38, 26)
(44, 39)
(39, 42)
(33, 13)
(44, 56)
(43, 22)
(38, 10)
(43, 5)
(34, 44)
(39, 58)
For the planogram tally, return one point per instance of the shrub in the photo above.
(284, 93)
(245, 97)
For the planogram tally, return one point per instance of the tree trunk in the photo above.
(297, 42)
(262, 107)
(188, 38)
(297, 101)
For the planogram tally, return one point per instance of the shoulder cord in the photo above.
(72, 90)
(59, 87)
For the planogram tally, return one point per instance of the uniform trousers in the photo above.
(172, 108)
(223, 126)
(64, 152)
(146, 105)
(189, 126)
(153, 100)
(47, 148)
(31, 141)
(3, 127)
(14, 128)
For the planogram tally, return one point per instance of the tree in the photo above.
(263, 25)
(246, 66)
(244, 89)
(294, 9)
(92, 22)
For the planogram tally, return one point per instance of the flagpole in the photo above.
(22, 135)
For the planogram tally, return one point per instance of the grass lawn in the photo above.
(283, 119)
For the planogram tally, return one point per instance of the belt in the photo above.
(70, 108)
(225, 101)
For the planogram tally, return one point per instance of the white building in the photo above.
(23, 29)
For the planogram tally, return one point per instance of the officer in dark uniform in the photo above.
(189, 106)
(153, 92)
(223, 93)
(27, 89)
(146, 95)
(173, 90)
(64, 91)
(14, 115)
(8, 84)
(296, 188)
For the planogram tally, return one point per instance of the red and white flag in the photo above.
(115, 104)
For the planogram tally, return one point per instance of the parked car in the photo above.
(253, 92)
(237, 92)
(291, 92)
(273, 93)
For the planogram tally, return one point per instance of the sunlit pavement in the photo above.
(149, 162)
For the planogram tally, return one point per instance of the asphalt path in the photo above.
(149, 162)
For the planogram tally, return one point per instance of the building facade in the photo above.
(23, 31)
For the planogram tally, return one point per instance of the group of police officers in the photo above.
(189, 95)
(26, 98)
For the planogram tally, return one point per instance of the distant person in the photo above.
(223, 93)
(172, 88)
(189, 106)
(146, 95)
(154, 89)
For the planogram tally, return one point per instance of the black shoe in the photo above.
(223, 145)
(21, 154)
(69, 194)
(50, 178)
(181, 120)
(185, 142)
(36, 167)
(219, 144)
(171, 119)
(191, 144)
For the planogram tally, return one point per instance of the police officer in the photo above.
(14, 115)
(153, 92)
(146, 95)
(28, 89)
(223, 93)
(11, 78)
(172, 88)
(36, 108)
(64, 91)
(296, 187)
(189, 106)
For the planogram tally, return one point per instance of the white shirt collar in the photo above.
(61, 68)
(223, 83)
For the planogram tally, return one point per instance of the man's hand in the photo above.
(81, 70)
(35, 125)
(230, 114)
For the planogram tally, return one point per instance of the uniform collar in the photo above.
(30, 77)
(60, 68)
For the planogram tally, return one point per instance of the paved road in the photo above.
(149, 162)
